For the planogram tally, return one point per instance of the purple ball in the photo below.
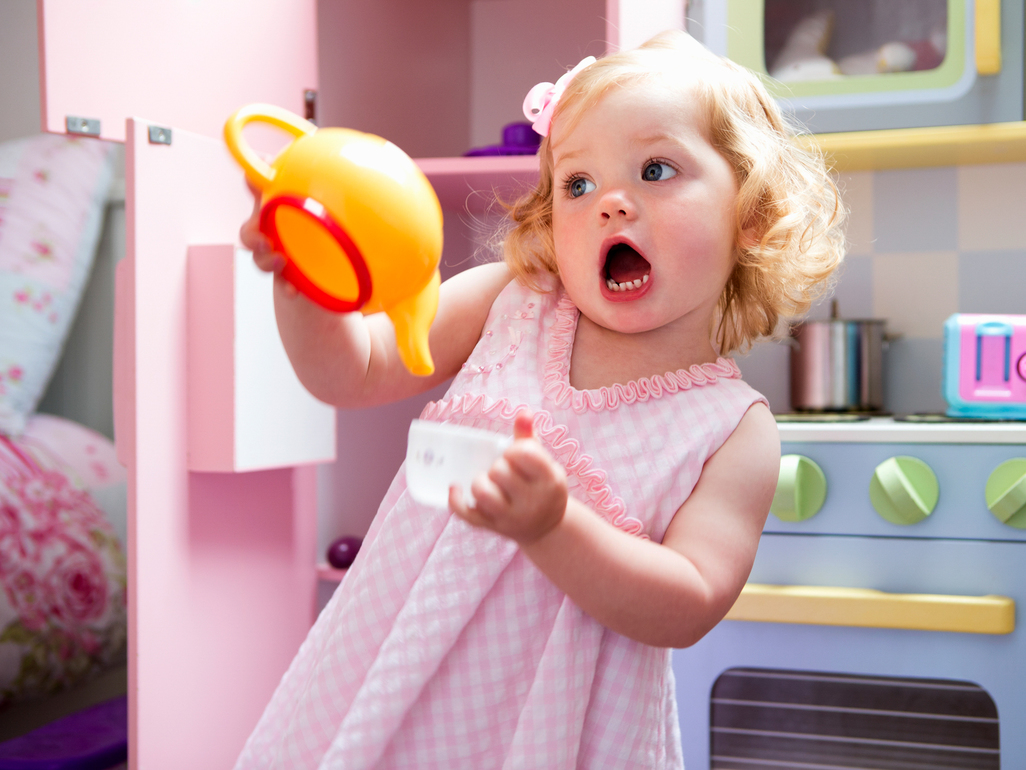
(343, 550)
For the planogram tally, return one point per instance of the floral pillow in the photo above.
(52, 194)
(63, 611)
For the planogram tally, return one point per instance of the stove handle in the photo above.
(868, 608)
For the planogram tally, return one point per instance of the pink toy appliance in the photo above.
(985, 366)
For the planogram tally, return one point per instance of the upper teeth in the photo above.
(626, 285)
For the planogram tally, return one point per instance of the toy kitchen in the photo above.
(880, 624)
(878, 628)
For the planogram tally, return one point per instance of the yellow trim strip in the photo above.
(864, 607)
(988, 37)
(922, 147)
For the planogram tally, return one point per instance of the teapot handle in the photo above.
(258, 171)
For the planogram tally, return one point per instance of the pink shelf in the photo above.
(329, 573)
(473, 183)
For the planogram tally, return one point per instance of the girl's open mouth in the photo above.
(625, 269)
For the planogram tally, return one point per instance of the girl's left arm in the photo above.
(666, 595)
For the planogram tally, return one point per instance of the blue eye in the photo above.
(656, 171)
(579, 186)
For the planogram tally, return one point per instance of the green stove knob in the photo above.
(801, 489)
(1006, 492)
(904, 490)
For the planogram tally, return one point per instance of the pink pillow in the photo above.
(89, 457)
(89, 460)
(63, 611)
(51, 209)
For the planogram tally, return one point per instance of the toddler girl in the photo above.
(674, 221)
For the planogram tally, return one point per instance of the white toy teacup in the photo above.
(440, 455)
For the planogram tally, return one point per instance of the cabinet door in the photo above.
(181, 63)
(221, 565)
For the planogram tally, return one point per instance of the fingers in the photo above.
(493, 491)
(458, 505)
(529, 460)
(264, 255)
(526, 455)
(258, 243)
(490, 500)
(523, 424)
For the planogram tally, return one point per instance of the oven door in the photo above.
(919, 680)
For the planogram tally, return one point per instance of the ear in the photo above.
(750, 233)
(748, 238)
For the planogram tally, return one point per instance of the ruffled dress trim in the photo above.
(557, 372)
(565, 449)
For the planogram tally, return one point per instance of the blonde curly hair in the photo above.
(785, 194)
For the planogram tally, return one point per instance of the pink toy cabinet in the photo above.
(220, 445)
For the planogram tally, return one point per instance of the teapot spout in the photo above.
(412, 319)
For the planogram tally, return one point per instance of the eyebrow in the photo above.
(566, 156)
(641, 141)
(644, 141)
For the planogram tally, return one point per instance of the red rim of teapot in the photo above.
(291, 272)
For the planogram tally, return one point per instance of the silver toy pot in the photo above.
(837, 365)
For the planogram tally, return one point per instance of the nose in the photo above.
(617, 204)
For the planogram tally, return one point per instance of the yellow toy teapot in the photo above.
(358, 222)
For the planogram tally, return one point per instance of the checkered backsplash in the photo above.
(923, 244)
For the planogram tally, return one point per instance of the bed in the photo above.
(63, 611)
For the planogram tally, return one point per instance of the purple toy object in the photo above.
(342, 552)
(517, 139)
(93, 739)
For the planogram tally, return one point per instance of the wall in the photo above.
(411, 91)
(510, 51)
(439, 99)
(19, 70)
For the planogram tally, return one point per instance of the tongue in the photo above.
(624, 264)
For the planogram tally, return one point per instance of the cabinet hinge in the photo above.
(82, 126)
(160, 135)
(310, 105)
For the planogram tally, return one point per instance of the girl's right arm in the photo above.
(351, 360)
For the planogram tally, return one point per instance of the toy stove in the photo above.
(878, 628)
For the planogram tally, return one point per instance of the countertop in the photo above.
(889, 430)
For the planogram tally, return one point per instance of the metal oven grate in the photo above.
(770, 719)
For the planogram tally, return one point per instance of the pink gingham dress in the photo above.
(444, 646)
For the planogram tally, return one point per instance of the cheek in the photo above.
(714, 226)
(561, 223)
(564, 242)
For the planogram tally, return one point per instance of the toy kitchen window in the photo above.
(847, 65)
